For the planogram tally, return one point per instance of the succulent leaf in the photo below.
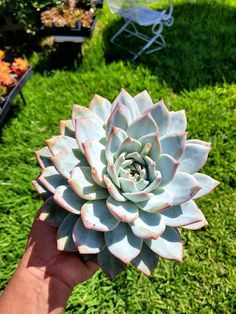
(44, 157)
(51, 179)
(52, 213)
(181, 215)
(177, 122)
(96, 216)
(194, 158)
(81, 181)
(111, 265)
(65, 241)
(206, 183)
(101, 106)
(148, 225)
(168, 245)
(142, 126)
(87, 241)
(127, 100)
(122, 243)
(143, 100)
(125, 211)
(173, 144)
(88, 129)
(146, 261)
(60, 142)
(65, 197)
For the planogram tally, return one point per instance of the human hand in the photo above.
(44, 256)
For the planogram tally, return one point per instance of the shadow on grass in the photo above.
(201, 47)
(63, 56)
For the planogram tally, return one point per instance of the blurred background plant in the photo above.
(67, 15)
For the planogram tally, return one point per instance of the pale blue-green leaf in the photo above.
(128, 185)
(161, 116)
(122, 243)
(44, 157)
(178, 121)
(101, 106)
(155, 183)
(111, 170)
(148, 225)
(173, 144)
(146, 261)
(143, 125)
(82, 183)
(68, 199)
(95, 155)
(136, 157)
(167, 165)
(168, 245)
(197, 225)
(130, 145)
(154, 140)
(43, 192)
(181, 215)
(126, 99)
(113, 190)
(118, 162)
(65, 241)
(111, 265)
(96, 216)
(115, 139)
(79, 112)
(67, 128)
(88, 129)
(120, 118)
(67, 159)
(87, 241)
(137, 197)
(52, 213)
(206, 183)
(51, 179)
(193, 158)
(159, 200)
(142, 184)
(183, 187)
(60, 142)
(151, 168)
(143, 100)
(125, 211)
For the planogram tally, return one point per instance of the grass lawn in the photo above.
(197, 72)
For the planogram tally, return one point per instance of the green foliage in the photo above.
(25, 12)
(205, 282)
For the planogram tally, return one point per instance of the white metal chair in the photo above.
(136, 12)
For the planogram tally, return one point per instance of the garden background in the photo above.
(197, 72)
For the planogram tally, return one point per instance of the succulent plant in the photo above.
(67, 14)
(121, 179)
(20, 66)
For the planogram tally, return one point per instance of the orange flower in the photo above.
(20, 66)
(2, 54)
(4, 67)
(6, 79)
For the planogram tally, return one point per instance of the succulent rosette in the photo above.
(121, 179)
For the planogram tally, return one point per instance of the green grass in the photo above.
(197, 72)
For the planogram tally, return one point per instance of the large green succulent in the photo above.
(120, 179)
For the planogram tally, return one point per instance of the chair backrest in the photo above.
(116, 6)
(129, 8)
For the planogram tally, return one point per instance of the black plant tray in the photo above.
(5, 104)
(98, 4)
(80, 31)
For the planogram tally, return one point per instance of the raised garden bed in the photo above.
(14, 90)
(68, 19)
(79, 30)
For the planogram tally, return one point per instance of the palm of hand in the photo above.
(44, 255)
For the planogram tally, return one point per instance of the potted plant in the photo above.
(68, 19)
(13, 76)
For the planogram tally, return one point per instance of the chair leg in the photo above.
(149, 43)
(120, 31)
